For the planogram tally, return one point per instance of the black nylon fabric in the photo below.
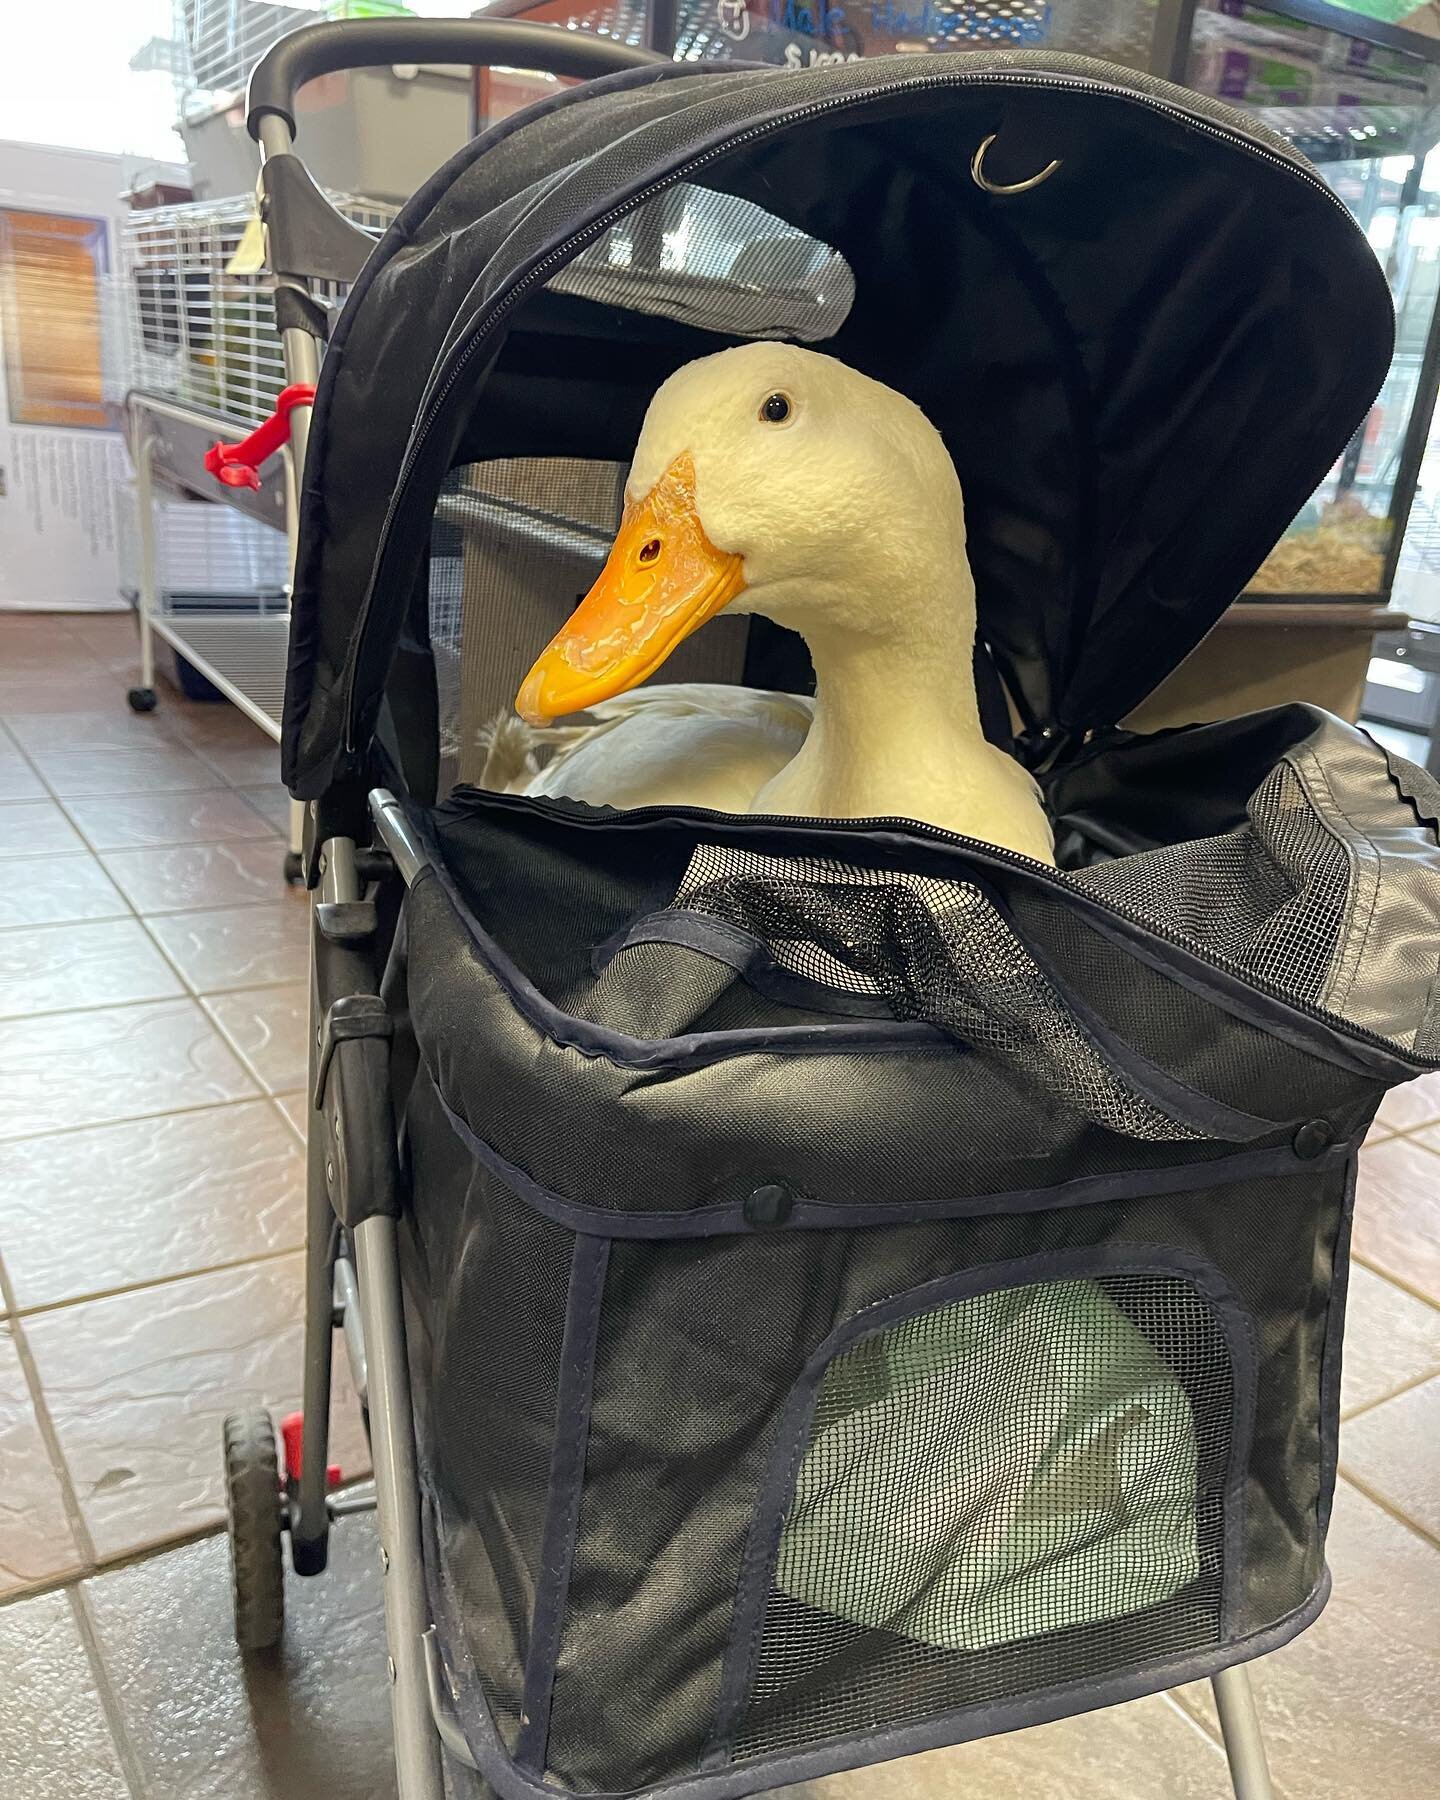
(1103, 354)
(762, 1170)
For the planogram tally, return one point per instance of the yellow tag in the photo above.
(249, 257)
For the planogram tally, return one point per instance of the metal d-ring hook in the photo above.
(982, 180)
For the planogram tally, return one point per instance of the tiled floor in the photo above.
(152, 1054)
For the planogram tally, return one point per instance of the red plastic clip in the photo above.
(292, 1434)
(237, 465)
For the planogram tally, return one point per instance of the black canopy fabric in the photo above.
(1142, 367)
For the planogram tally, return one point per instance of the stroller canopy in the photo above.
(1142, 364)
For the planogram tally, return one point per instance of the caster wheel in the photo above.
(294, 870)
(141, 699)
(256, 1512)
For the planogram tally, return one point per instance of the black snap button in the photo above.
(1312, 1138)
(769, 1205)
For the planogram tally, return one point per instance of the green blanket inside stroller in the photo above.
(1010, 1464)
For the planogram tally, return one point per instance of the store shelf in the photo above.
(244, 656)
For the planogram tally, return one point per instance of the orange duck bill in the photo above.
(662, 580)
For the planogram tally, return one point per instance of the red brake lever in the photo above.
(237, 465)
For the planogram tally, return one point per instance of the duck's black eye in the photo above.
(776, 410)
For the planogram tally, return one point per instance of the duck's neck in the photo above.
(896, 724)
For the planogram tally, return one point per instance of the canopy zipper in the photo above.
(576, 814)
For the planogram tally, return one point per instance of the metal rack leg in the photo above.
(1240, 1727)
(397, 1497)
(145, 505)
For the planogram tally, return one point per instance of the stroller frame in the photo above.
(353, 1279)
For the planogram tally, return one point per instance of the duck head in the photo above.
(774, 480)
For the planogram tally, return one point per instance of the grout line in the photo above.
(48, 1307)
(188, 993)
(142, 1118)
(1395, 1280)
(130, 1765)
(290, 1093)
(1405, 1387)
(250, 1068)
(162, 1112)
(69, 1499)
(1389, 1507)
(121, 1559)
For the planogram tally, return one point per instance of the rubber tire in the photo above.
(294, 869)
(256, 1512)
(141, 700)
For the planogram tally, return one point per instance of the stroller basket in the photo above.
(875, 1289)
(862, 1289)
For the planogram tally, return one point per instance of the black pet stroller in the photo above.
(829, 1289)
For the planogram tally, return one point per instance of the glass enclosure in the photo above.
(1353, 85)
(1362, 108)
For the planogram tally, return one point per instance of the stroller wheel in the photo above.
(294, 868)
(256, 1512)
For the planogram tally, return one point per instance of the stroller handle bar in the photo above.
(324, 49)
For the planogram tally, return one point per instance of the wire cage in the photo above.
(199, 322)
(205, 556)
(218, 42)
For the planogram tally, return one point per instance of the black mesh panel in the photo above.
(718, 262)
(940, 951)
(1009, 1492)
(1269, 897)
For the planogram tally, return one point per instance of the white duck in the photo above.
(770, 479)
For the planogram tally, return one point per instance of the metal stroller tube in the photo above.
(317, 50)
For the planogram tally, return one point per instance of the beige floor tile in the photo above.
(296, 1108)
(36, 1543)
(1417, 1103)
(238, 947)
(86, 688)
(110, 769)
(1397, 1214)
(54, 1740)
(114, 1206)
(44, 652)
(36, 828)
(202, 725)
(1352, 1706)
(58, 890)
(138, 1384)
(114, 725)
(272, 803)
(58, 968)
(124, 1062)
(18, 781)
(1147, 1750)
(310, 1723)
(1391, 1340)
(104, 632)
(243, 764)
(133, 821)
(1394, 1451)
(184, 877)
(270, 1027)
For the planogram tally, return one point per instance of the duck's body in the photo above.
(886, 605)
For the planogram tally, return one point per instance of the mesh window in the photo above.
(940, 951)
(717, 262)
(1269, 897)
(514, 545)
(1015, 1490)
